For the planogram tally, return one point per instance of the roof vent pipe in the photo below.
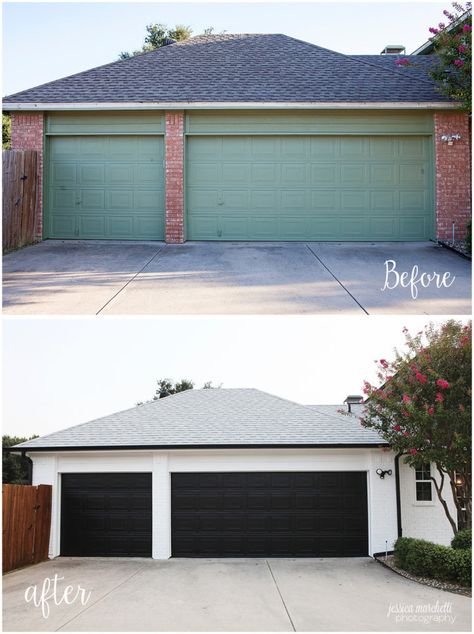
(353, 402)
(394, 49)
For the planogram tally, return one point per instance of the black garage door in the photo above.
(106, 514)
(305, 514)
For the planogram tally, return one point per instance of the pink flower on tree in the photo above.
(406, 398)
(439, 397)
(461, 48)
(461, 407)
(396, 428)
(433, 30)
(406, 434)
(402, 61)
(458, 63)
(383, 363)
(413, 452)
(431, 411)
(442, 384)
(467, 28)
(421, 377)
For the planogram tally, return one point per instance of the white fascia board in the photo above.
(231, 105)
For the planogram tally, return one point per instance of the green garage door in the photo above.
(309, 188)
(106, 187)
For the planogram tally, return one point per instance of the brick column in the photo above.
(174, 177)
(27, 134)
(453, 175)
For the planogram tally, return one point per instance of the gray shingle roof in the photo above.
(214, 417)
(237, 68)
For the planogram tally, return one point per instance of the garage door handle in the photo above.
(78, 202)
(220, 202)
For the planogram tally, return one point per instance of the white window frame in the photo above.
(415, 480)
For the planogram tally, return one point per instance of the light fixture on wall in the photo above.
(458, 481)
(381, 473)
(450, 138)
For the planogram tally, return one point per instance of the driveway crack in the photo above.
(91, 605)
(337, 280)
(130, 280)
(281, 596)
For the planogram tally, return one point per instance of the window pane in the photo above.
(423, 472)
(423, 491)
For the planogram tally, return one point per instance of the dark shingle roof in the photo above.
(418, 69)
(214, 418)
(236, 68)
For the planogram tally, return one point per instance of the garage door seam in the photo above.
(281, 596)
(130, 280)
(91, 605)
(337, 280)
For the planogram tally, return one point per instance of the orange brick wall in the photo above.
(174, 177)
(27, 134)
(453, 175)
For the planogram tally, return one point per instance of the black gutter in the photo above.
(397, 492)
(164, 447)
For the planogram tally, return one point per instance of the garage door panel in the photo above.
(106, 514)
(91, 200)
(312, 188)
(111, 175)
(279, 513)
(92, 227)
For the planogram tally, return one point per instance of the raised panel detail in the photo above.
(113, 187)
(308, 188)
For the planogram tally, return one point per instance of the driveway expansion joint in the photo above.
(337, 279)
(281, 596)
(130, 280)
(90, 605)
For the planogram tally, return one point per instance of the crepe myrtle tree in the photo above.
(423, 408)
(452, 46)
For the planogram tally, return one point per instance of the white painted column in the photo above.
(161, 507)
(45, 471)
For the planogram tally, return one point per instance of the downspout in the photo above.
(397, 493)
(29, 466)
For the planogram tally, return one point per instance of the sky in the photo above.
(59, 372)
(46, 41)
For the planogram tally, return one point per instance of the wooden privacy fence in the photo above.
(20, 197)
(26, 524)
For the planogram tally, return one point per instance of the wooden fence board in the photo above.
(19, 197)
(26, 524)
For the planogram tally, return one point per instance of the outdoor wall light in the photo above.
(450, 138)
(458, 481)
(381, 473)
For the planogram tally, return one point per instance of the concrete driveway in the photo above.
(74, 277)
(279, 595)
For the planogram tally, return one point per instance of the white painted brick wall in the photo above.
(424, 520)
(381, 493)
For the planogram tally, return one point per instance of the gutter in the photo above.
(397, 493)
(183, 447)
(244, 105)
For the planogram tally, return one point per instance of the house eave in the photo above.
(243, 105)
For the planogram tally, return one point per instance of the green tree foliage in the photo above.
(15, 469)
(423, 407)
(452, 41)
(6, 131)
(158, 35)
(166, 387)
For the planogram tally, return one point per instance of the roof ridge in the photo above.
(394, 71)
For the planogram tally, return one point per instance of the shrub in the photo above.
(468, 240)
(426, 559)
(462, 539)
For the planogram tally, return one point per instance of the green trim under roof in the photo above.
(308, 122)
(107, 122)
